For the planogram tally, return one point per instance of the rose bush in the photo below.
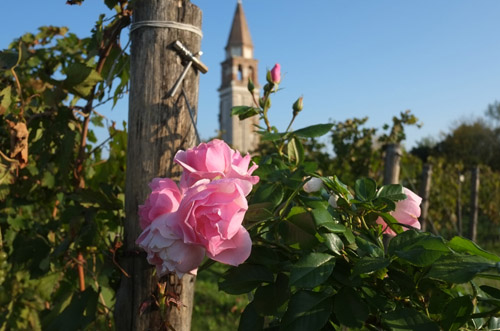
(319, 261)
(311, 253)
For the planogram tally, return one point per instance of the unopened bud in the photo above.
(297, 106)
(263, 101)
(250, 85)
(333, 200)
(276, 73)
(313, 185)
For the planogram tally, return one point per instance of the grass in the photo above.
(215, 310)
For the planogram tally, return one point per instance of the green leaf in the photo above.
(402, 282)
(270, 136)
(494, 323)
(313, 131)
(295, 151)
(245, 278)
(307, 310)
(459, 269)
(493, 291)
(456, 313)
(269, 192)
(5, 99)
(8, 59)
(47, 285)
(268, 298)
(264, 255)
(418, 248)
(365, 189)
(438, 299)
(349, 309)
(367, 265)
(392, 192)
(111, 3)
(299, 228)
(258, 212)
(333, 242)
(336, 185)
(323, 218)
(244, 112)
(368, 248)
(408, 319)
(312, 270)
(80, 312)
(250, 320)
(462, 245)
(80, 79)
(48, 180)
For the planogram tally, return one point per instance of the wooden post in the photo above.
(157, 127)
(459, 204)
(474, 203)
(425, 190)
(391, 164)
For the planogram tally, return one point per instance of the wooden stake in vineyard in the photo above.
(391, 164)
(160, 123)
(425, 190)
(474, 203)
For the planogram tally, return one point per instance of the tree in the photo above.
(472, 144)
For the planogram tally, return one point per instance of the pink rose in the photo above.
(215, 160)
(167, 251)
(407, 212)
(210, 215)
(276, 73)
(164, 198)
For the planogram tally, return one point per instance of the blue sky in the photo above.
(441, 59)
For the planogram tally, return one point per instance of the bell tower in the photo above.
(238, 66)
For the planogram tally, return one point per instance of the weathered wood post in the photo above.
(158, 126)
(425, 190)
(459, 204)
(391, 164)
(474, 203)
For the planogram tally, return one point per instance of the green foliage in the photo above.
(472, 144)
(320, 265)
(61, 208)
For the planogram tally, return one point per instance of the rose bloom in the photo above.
(215, 160)
(407, 212)
(276, 73)
(210, 215)
(164, 198)
(167, 251)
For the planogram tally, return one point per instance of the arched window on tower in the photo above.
(240, 73)
(251, 74)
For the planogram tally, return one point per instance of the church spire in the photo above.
(239, 42)
(238, 67)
